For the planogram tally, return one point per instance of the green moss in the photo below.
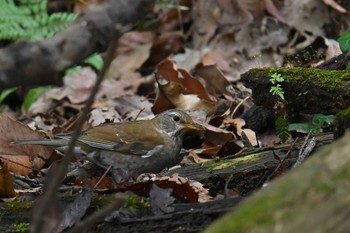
(331, 78)
(232, 163)
(344, 114)
(21, 227)
(19, 205)
(341, 123)
(134, 203)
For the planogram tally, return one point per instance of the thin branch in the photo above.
(50, 189)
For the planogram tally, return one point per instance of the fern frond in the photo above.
(30, 20)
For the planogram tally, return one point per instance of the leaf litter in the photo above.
(197, 69)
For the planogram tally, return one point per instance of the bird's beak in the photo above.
(194, 127)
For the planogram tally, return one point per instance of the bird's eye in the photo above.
(176, 118)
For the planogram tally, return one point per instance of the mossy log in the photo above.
(306, 90)
(341, 123)
(245, 174)
(312, 198)
(248, 170)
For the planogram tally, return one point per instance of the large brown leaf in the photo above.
(20, 159)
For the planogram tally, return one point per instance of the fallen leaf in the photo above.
(183, 189)
(132, 106)
(161, 200)
(214, 57)
(335, 6)
(165, 44)
(216, 81)
(20, 159)
(75, 210)
(103, 115)
(182, 91)
(238, 124)
(133, 50)
(7, 189)
(204, 154)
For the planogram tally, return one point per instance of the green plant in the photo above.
(95, 61)
(6, 93)
(32, 95)
(282, 128)
(281, 122)
(29, 19)
(276, 89)
(318, 122)
(344, 44)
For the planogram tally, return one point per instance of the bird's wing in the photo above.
(140, 140)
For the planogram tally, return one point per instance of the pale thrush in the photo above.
(131, 148)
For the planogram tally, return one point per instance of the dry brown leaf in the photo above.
(105, 183)
(214, 57)
(229, 148)
(203, 155)
(132, 106)
(183, 188)
(216, 81)
(193, 86)
(250, 135)
(181, 91)
(238, 124)
(189, 59)
(103, 115)
(132, 51)
(306, 16)
(78, 88)
(163, 101)
(217, 136)
(20, 159)
(165, 44)
(335, 6)
(7, 189)
(170, 96)
(206, 14)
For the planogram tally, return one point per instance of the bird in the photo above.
(130, 148)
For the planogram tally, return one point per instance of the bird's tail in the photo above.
(45, 142)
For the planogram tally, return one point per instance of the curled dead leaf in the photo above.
(181, 90)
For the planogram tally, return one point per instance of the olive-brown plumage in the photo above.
(131, 148)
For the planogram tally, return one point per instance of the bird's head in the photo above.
(176, 123)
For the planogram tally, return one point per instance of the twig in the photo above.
(103, 176)
(240, 103)
(303, 153)
(50, 189)
(281, 162)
